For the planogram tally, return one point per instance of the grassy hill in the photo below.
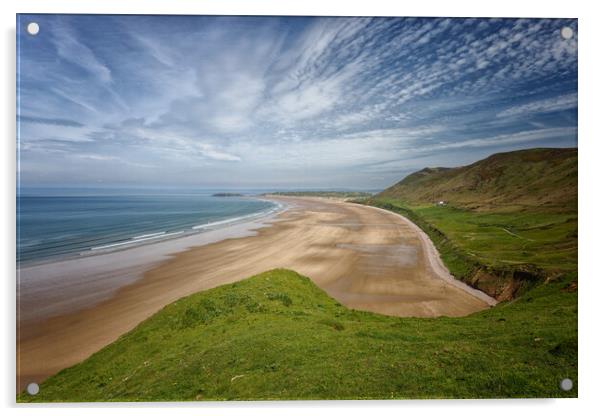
(509, 222)
(545, 179)
(278, 336)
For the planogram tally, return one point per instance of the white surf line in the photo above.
(136, 240)
(148, 235)
(213, 224)
(435, 262)
(277, 209)
(260, 214)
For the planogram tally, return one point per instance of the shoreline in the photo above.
(437, 265)
(364, 258)
(156, 237)
(107, 271)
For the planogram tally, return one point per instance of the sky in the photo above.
(284, 102)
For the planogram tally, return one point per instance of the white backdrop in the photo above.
(590, 176)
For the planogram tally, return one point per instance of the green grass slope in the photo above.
(532, 178)
(278, 336)
(510, 220)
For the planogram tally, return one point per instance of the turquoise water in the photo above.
(61, 223)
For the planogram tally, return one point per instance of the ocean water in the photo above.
(63, 223)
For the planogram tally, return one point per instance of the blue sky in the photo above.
(284, 102)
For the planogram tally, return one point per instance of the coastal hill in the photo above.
(502, 224)
(277, 336)
(534, 178)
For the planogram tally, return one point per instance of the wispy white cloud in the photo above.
(236, 97)
(547, 105)
(506, 139)
(411, 157)
(72, 50)
(49, 121)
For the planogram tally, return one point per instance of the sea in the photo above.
(55, 223)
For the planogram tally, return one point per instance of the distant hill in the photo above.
(325, 194)
(544, 177)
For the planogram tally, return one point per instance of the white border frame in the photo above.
(589, 191)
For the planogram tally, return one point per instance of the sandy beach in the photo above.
(364, 257)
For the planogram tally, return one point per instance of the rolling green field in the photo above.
(496, 247)
(278, 336)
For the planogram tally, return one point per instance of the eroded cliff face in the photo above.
(505, 285)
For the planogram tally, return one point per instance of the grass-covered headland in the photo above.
(278, 336)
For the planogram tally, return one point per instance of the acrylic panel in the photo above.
(295, 208)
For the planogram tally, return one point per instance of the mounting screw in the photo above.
(33, 389)
(33, 28)
(566, 32)
(566, 384)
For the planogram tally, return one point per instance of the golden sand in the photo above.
(365, 258)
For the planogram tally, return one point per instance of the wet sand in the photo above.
(62, 286)
(366, 258)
